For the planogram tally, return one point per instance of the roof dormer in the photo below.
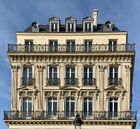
(71, 24)
(88, 24)
(54, 24)
(35, 27)
(108, 26)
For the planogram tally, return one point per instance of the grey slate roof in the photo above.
(79, 28)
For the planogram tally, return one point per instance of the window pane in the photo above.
(111, 72)
(116, 72)
(90, 106)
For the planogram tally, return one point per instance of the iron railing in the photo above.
(38, 115)
(114, 81)
(27, 81)
(64, 48)
(89, 81)
(71, 81)
(53, 81)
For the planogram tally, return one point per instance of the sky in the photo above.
(17, 15)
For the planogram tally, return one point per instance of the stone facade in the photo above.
(58, 74)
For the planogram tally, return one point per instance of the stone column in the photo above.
(14, 76)
(101, 86)
(80, 74)
(128, 80)
(62, 74)
(40, 87)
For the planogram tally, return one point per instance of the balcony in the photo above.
(114, 81)
(89, 81)
(71, 81)
(78, 48)
(38, 115)
(27, 81)
(53, 81)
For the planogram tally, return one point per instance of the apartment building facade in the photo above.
(59, 70)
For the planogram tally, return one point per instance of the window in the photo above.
(28, 45)
(88, 46)
(53, 46)
(52, 107)
(88, 75)
(70, 76)
(53, 77)
(27, 106)
(54, 27)
(70, 107)
(113, 72)
(27, 76)
(88, 26)
(113, 76)
(113, 107)
(112, 45)
(70, 46)
(87, 105)
(70, 27)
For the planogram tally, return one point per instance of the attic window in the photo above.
(88, 26)
(54, 27)
(70, 27)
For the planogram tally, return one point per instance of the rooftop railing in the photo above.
(38, 115)
(73, 49)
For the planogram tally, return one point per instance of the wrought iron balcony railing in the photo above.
(77, 48)
(53, 81)
(71, 81)
(27, 81)
(114, 81)
(38, 115)
(89, 81)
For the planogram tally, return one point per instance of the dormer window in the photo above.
(70, 24)
(54, 27)
(70, 27)
(54, 23)
(88, 24)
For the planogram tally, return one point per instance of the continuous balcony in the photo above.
(89, 81)
(53, 81)
(94, 48)
(38, 115)
(114, 81)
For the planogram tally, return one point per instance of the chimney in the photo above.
(95, 16)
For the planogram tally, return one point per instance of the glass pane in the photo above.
(116, 73)
(55, 107)
(85, 106)
(115, 106)
(110, 107)
(111, 72)
(49, 107)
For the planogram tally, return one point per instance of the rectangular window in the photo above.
(70, 27)
(53, 77)
(52, 107)
(113, 76)
(88, 75)
(70, 76)
(27, 75)
(88, 26)
(29, 45)
(54, 27)
(88, 46)
(53, 46)
(27, 106)
(70, 107)
(70, 47)
(112, 45)
(113, 107)
(87, 105)
(113, 72)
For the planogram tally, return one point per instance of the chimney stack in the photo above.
(95, 16)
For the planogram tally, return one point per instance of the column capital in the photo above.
(102, 67)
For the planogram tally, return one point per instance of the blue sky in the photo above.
(16, 15)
